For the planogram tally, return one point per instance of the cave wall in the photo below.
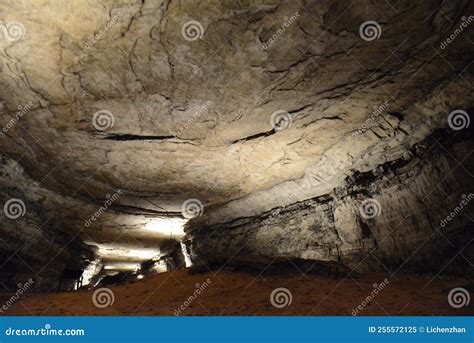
(33, 246)
(415, 194)
(195, 119)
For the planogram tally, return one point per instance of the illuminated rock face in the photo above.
(392, 218)
(111, 122)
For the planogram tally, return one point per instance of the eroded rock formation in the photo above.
(388, 218)
(280, 118)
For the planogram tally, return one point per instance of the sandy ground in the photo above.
(236, 293)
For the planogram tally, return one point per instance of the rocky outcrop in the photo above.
(393, 218)
(31, 245)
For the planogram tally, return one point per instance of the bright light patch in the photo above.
(160, 267)
(143, 253)
(122, 266)
(109, 252)
(90, 271)
(187, 259)
(170, 227)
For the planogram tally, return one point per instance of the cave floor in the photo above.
(238, 293)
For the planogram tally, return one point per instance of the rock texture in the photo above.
(390, 219)
(241, 105)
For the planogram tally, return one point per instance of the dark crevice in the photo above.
(257, 135)
(127, 137)
(322, 118)
(426, 147)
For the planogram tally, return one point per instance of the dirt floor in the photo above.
(237, 293)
